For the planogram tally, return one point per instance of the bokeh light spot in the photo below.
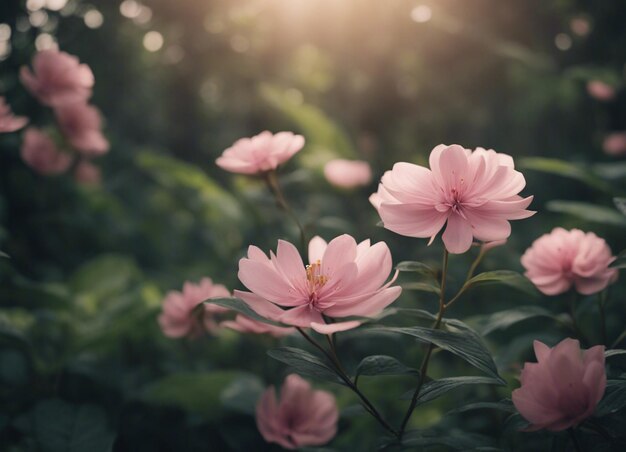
(5, 32)
(563, 41)
(45, 41)
(93, 18)
(55, 5)
(421, 14)
(153, 41)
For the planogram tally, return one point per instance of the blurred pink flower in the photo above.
(563, 388)
(81, 125)
(245, 324)
(580, 26)
(177, 319)
(600, 90)
(343, 279)
(615, 143)
(348, 173)
(8, 121)
(561, 259)
(302, 417)
(58, 78)
(41, 154)
(475, 193)
(263, 152)
(87, 173)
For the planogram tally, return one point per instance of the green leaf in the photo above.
(242, 394)
(588, 211)
(383, 365)
(506, 277)
(454, 440)
(610, 171)
(238, 305)
(417, 267)
(620, 203)
(437, 388)
(504, 405)
(58, 426)
(195, 393)
(466, 345)
(565, 169)
(422, 287)
(615, 352)
(504, 319)
(104, 276)
(614, 398)
(5, 255)
(305, 363)
(620, 260)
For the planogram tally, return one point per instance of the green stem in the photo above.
(332, 357)
(431, 346)
(620, 338)
(271, 179)
(572, 314)
(601, 302)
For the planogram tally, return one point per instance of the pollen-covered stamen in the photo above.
(315, 280)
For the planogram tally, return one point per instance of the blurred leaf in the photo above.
(195, 393)
(57, 426)
(5, 255)
(383, 365)
(465, 345)
(454, 440)
(504, 319)
(611, 171)
(503, 405)
(614, 398)
(242, 394)
(31, 295)
(506, 277)
(104, 276)
(609, 353)
(418, 267)
(325, 137)
(565, 169)
(305, 363)
(235, 304)
(588, 211)
(436, 388)
(620, 203)
(422, 287)
(620, 260)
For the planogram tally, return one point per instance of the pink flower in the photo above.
(563, 388)
(475, 193)
(348, 173)
(177, 319)
(343, 279)
(81, 124)
(600, 90)
(245, 324)
(41, 154)
(615, 143)
(561, 259)
(487, 246)
(87, 173)
(58, 78)
(8, 121)
(263, 152)
(302, 417)
(580, 26)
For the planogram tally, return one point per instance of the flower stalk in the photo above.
(271, 180)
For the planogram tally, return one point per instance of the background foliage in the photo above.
(83, 364)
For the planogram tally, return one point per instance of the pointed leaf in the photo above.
(565, 169)
(421, 286)
(614, 398)
(465, 344)
(609, 353)
(588, 211)
(238, 305)
(504, 319)
(416, 267)
(506, 277)
(305, 363)
(504, 405)
(437, 388)
(383, 365)
(620, 260)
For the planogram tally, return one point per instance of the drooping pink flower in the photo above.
(58, 78)
(81, 124)
(177, 319)
(41, 154)
(261, 153)
(245, 324)
(302, 417)
(600, 90)
(615, 143)
(561, 259)
(8, 121)
(342, 279)
(475, 193)
(87, 173)
(563, 388)
(348, 173)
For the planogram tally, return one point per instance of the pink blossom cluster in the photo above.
(58, 80)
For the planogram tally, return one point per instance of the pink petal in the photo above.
(458, 235)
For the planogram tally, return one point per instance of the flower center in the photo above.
(315, 280)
